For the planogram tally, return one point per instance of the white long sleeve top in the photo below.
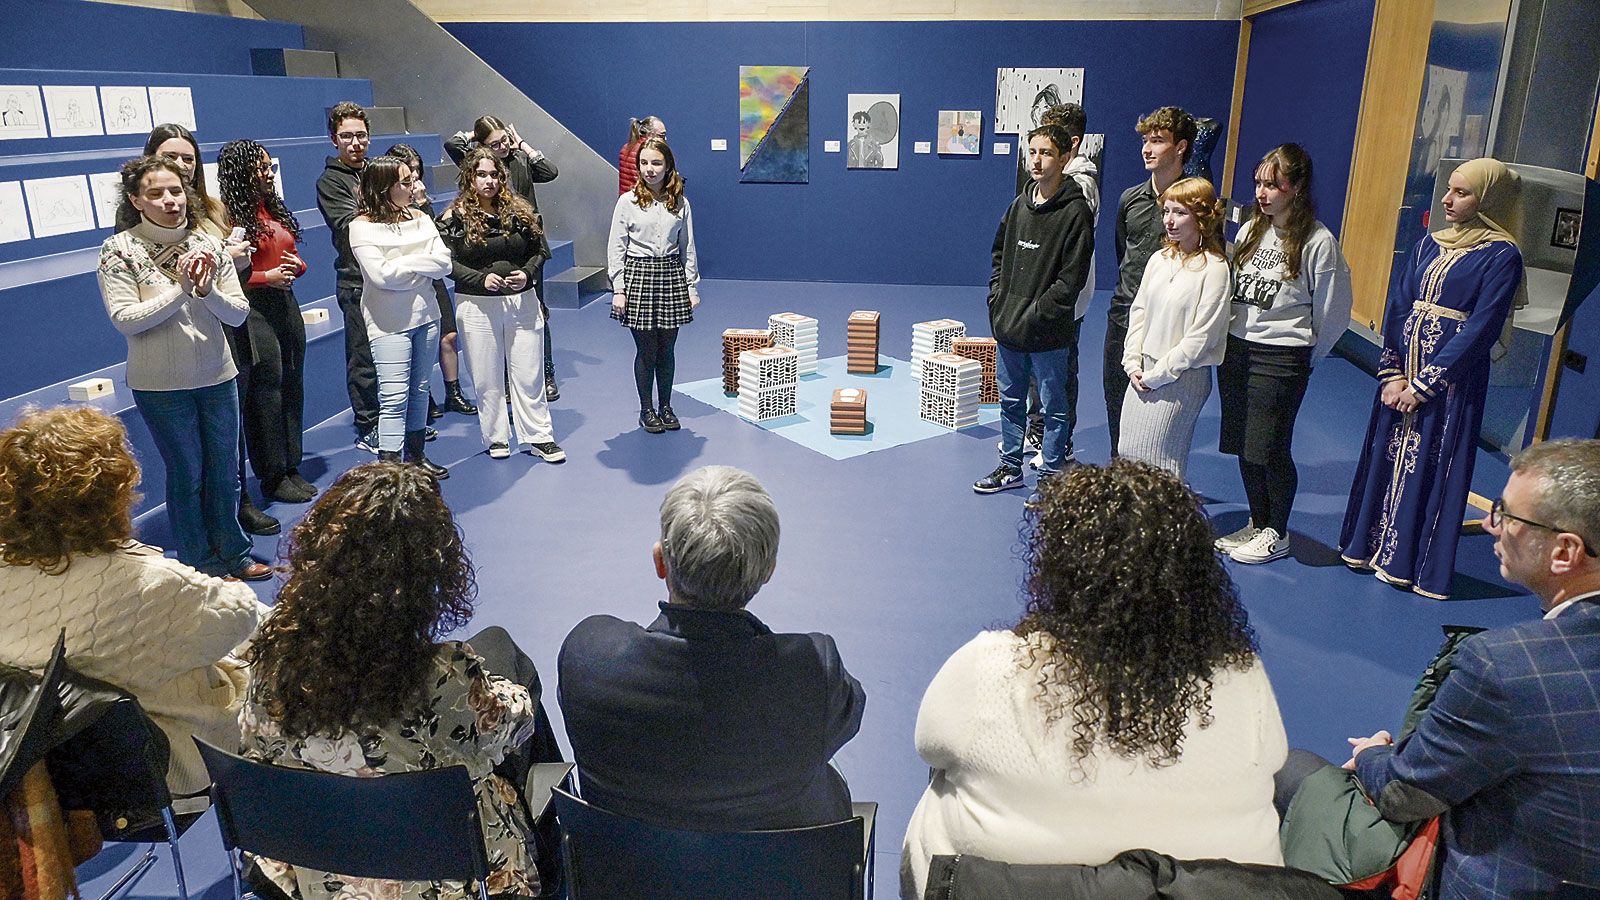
(652, 231)
(175, 339)
(1179, 317)
(1271, 308)
(1082, 170)
(399, 262)
(1007, 786)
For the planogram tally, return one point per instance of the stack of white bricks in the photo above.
(798, 332)
(950, 388)
(928, 338)
(769, 378)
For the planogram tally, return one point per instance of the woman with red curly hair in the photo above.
(349, 675)
(150, 625)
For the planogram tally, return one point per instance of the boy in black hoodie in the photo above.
(1042, 254)
(338, 197)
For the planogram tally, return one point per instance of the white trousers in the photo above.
(503, 338)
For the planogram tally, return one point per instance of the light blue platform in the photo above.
(892, 409)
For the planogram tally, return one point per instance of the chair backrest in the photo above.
(617, 857)
(408, 826)
(30, 728)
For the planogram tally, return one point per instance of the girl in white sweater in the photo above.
(400, 253)
(1176, 328)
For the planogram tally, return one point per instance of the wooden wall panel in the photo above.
(1396, 62)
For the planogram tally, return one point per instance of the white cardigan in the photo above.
(1007, 787)
(148, 624)
(398, 264)
(1179, 318)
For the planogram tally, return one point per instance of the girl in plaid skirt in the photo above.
(653, 273)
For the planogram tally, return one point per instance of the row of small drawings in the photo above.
(76, 110)
(71, 203)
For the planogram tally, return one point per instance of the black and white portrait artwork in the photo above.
(21, 113)
(874, 129)
(13, 214)
(1022, 95)
(59, 205)
(74, 110)
(1567, 225)
(127, 110)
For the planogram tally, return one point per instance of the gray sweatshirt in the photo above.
(1271, 308)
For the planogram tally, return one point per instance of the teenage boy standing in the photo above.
(1169, 134)
(338, 196)
(1041, 255)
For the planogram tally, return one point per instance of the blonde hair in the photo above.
(1198, 197)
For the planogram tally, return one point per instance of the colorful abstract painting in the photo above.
(764, 93)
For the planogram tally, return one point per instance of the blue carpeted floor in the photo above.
(890, 552)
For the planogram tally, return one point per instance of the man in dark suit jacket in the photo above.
(706, 719)
(1511, 744)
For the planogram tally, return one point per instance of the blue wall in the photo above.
(1315, 105)
(932, 221)
(73, 34)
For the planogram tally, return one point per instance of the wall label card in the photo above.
(1001, 149)
(831, 146)
(719, 144)
(922, 147)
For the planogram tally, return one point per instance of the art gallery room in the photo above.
(853, 171)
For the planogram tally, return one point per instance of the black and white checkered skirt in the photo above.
(658, 295)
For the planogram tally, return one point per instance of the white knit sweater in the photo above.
(148, 624)
(1008, 788)
(1179, 318)
(398, 264)
(175, 340)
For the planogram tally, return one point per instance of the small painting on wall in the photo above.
(960, 131)
(874, 123)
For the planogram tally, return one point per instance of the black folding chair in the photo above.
(408, 826)
(617, 857)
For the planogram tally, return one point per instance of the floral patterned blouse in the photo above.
(472, 718)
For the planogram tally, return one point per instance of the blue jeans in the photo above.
(405, 364)
(1049, 368)
(197, 433)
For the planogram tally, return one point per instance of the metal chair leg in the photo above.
(132, 875)
(172, 844)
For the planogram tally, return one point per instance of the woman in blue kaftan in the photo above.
(1410, 490)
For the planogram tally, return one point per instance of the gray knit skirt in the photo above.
(1158, 425)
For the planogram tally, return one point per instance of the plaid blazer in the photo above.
(1512, 745)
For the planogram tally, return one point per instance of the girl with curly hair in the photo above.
(496, 246)
(1177, 326)
(654, 271)
(1127, 709)
(148, 624)
(350, 674)
(270, 347)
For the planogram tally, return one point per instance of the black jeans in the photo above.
(361, 377)
(1116, 380)
(272, 371)
(549, 353)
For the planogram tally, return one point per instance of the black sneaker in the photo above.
(300, 482)
(549, 451)
(649, 421)
(668, 420)
(1003, 478)
(254, 521)
(430, 434)
(551, 392)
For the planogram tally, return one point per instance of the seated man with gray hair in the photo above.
(706, 719)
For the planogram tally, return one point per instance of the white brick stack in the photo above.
(950, 389)
(768, 380)
(928, 338)
(799, 332)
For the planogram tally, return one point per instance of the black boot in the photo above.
(389, 456)
(457, 402)
(434, 412)
(254, 521)
(552, 393)
(415, 456)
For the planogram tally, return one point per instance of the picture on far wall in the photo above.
(774, 124)
(874, 123)
(59, 205)
(74, 110)
(21, 114)
(13, 214)
(960, 131)
(1565, 233)
(172, 104)
(127, 110)
(1022, 95)
(1440, 121)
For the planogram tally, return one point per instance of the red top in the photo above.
(273, 241)
(627, 167)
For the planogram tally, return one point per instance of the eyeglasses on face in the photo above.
(1498, 516)
(354, 137)
(500, 144)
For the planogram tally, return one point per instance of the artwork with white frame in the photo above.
(21, 113)
(172, 104)
(127, 109)
(13, 214)
(107, 190)
(73, 110)
(59, 205)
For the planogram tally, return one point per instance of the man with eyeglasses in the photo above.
(1510, 747)
(338, 198)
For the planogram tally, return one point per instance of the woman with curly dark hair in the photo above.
(134, 618)
(270, 347)
(1127, 709)
(350, 675)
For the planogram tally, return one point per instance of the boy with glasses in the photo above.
(338, 191)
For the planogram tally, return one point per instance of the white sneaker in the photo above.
(1266, 546)
(498, 450)
(1229, 542)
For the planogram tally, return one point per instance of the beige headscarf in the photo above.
(1497, 189)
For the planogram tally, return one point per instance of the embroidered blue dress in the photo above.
(1410, 490)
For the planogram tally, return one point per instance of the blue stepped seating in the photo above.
(45, 33)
